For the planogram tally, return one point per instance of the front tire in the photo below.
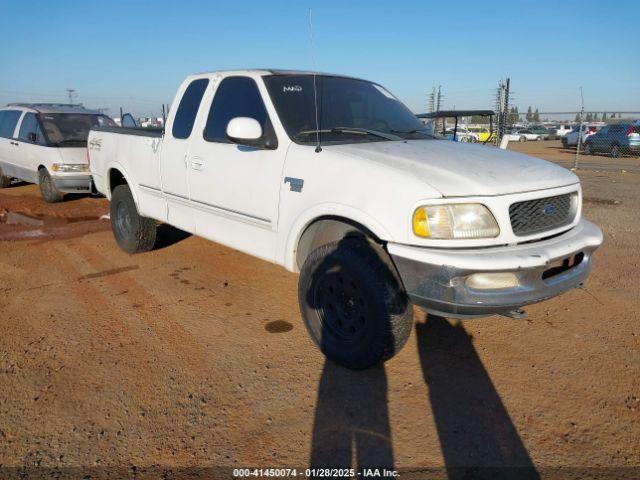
(522, 139)
(133, 232)
(48, 190)
(353, 303)
(588, 149)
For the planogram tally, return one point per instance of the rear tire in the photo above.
(133, 233)
(615, 151)
(48, 190)
(353, 303)
(4, 180)
(587, 149)
(522, 139)
(538, 139)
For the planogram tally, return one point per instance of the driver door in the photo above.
(235, 189)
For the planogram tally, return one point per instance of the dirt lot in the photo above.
(194, 355)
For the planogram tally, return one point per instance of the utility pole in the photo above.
(432, 100)
(579, 145)
(72, 94)
(439, 102)
(502, 108)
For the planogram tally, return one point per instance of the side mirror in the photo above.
(33, 137)
(245, 131)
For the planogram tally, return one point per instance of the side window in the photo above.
(188, 108)
(235, 97)
(8, 122)
(30, 125)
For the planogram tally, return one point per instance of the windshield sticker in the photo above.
(384, 92)
(292, 88)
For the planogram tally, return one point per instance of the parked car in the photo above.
(483, 133)
(616, 139)
(47, 144)
(544, 132)
(461, 134)
(586, 129)
(523, 134)
(375, 214)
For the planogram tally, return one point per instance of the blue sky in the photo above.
(135, 54)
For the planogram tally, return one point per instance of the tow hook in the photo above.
(518, 314)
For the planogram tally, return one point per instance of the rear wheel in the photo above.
(4, 180)
(588, 149)
(133, 232)
(353, 303)
(522, 139)
(538, 138)
(50, 193)
(615, 151)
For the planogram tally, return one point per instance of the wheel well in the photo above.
(326, 230)
(116, 178)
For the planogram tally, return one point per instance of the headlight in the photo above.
(70, 167)
(456, 220)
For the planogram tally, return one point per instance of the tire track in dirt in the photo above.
(134, 297)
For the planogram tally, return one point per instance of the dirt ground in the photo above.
(195, 356)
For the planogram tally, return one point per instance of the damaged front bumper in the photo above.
(464, 283)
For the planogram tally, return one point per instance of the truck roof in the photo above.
(56, 108)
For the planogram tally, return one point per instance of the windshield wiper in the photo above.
(356, 130)
(408, 132)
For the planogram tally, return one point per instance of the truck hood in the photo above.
(461, 170)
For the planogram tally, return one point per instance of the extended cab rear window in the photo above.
(188, 108)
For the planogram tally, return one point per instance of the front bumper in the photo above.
(73, 183)
(436, 279)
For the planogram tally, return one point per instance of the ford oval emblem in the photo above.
(549, 209)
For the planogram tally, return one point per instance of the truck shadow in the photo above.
(351, 427)
(168, 235)
(477, 437)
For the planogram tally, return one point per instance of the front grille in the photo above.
(542, 214)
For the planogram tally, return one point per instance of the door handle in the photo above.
(197, 163)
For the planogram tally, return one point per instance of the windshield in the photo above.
(71, 129)
(349, 110)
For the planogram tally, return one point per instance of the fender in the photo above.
(287, 254)
(114, 165)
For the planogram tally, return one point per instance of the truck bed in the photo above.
(142, 132)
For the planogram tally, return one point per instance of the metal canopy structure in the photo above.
(457, 113)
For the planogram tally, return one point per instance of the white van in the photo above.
(47, 144)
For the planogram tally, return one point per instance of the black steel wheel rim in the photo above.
(342, 307)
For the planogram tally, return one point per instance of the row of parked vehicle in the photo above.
(613, 139)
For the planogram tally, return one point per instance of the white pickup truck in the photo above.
(334, 178)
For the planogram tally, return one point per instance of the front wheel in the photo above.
(353, 303)
(538, 139)
(50, 193)
(588, 149)
(522, 139)
(133, 232)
